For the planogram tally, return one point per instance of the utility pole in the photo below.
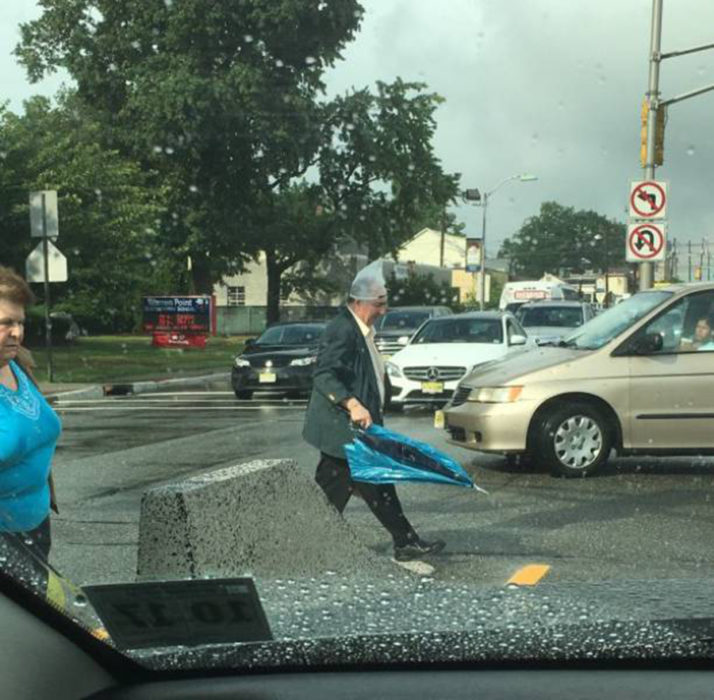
(443, 238)
(689, 264)
(646, 268)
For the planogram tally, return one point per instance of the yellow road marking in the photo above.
(529, 575)
(55, 592)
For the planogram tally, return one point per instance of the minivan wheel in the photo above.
(574, 440)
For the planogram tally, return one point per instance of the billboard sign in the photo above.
(184, 314)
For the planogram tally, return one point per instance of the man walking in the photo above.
(349, 387)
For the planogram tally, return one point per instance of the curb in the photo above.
(143, 387)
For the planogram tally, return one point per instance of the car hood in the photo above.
(447, 354)
(518, 364)
(273, 351)
(429, 622)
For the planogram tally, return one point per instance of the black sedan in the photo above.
(282, 359)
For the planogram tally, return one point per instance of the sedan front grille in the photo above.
(460, 396)
(434, 374)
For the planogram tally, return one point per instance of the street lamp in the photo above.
(600, 237)
(475, 196)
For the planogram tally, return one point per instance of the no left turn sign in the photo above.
(648, 200)
(646, 242)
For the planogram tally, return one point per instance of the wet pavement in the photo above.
(641, 519)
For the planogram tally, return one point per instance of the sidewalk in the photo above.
(55, 391)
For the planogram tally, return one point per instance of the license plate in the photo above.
(439, 420)
(432, 387)
(267, 377)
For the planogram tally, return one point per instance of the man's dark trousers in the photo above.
(333, 476)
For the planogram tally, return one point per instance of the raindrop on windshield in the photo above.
(690, 150)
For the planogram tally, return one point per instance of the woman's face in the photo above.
(12, 329)
(703, 330)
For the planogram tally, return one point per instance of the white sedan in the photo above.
(444, 350)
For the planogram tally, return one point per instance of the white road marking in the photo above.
(65, 409)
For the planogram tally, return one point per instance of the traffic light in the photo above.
(659, 134)
(660, 121)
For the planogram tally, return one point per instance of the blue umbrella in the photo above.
(381, 456)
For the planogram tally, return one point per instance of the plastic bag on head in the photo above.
(369, 284)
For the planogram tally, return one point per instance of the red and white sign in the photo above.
(648, 199)
(646, 242)
(529, 294)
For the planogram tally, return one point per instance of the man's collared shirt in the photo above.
(377, 362)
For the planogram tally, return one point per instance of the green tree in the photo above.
(563, 239)
(107, 214)
(379, 181)
(420, 290)
(219, 99)
(378, 167)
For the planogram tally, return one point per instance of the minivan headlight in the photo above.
(241, 362)
(304, 361)
(496, 394)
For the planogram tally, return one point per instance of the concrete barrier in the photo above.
(263, 518)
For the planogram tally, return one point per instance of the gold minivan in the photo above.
(638, 378)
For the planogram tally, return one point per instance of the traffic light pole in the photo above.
(654, 104)
(646, 268)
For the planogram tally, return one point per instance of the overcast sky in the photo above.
(549, 87)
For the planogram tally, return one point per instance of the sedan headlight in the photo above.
(393, 370)
(304, 361)
(496, 394)
(241, 362)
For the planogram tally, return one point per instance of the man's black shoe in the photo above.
(418, 549)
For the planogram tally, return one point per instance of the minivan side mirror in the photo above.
(249, 342)
(647, 344)
(518, 340)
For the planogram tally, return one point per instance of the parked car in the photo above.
(549, 321)
(638, 378)
(444, 350)
(398, 325)
(281, 359)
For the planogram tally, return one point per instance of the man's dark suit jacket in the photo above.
(344, 369)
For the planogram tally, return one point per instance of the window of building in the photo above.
(236, 296)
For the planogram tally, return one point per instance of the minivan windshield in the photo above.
(609, 324)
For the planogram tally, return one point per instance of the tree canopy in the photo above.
(223, 105)
(560, 238)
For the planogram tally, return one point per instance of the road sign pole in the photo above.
(48, 321)
(646, 268)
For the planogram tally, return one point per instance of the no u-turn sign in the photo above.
(646, 242)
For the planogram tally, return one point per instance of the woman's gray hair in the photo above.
(14, 289)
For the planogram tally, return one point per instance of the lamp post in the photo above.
(601, 237)
(475, 196)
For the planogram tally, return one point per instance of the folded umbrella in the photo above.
(381, 456)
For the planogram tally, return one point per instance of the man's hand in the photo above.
(358, 413)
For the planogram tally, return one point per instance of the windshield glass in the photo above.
(223, 227)
(608, 325)
(398, 320)
(558, 316)
(461, 330)
(291, 335)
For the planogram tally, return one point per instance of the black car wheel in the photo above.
(574, 439)
(244, 395)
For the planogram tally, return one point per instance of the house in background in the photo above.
(241, 299)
